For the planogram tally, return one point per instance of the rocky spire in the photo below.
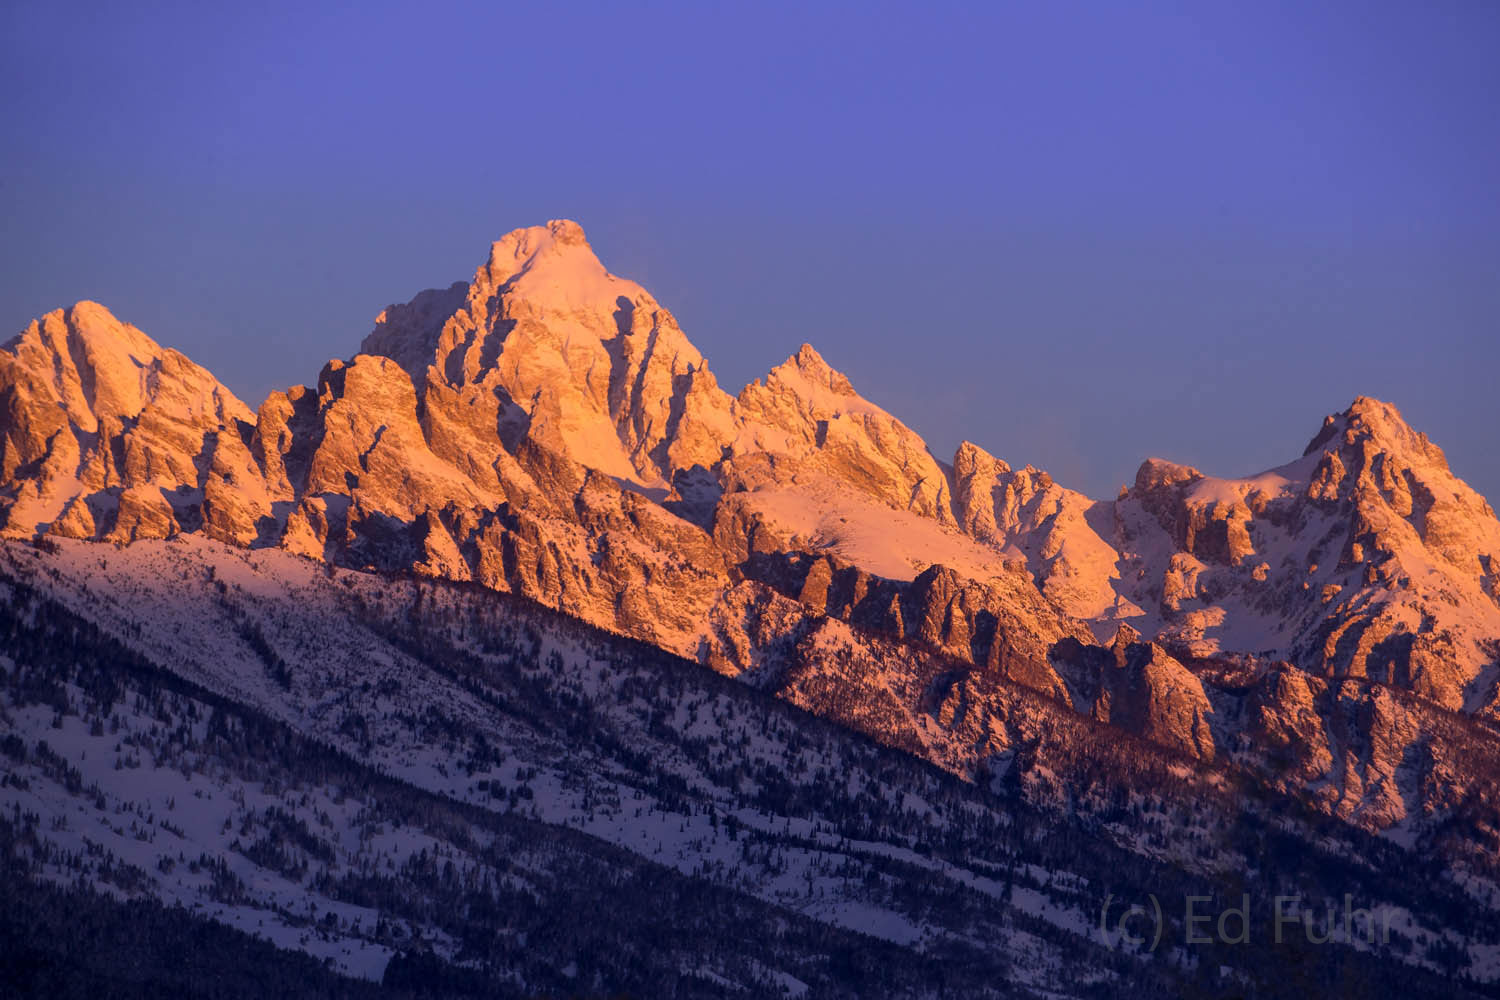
(808, 410)
(545, 336)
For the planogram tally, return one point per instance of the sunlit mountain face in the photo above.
(516, 656)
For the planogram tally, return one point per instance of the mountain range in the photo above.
(521, 562)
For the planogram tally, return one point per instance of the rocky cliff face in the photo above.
(1365, 558)
(808, 412)
(1057, 529)
(545, 341)
(106, 434)
(547, 429)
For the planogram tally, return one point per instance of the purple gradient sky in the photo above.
(1076, 234)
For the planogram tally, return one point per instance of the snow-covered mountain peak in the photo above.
(91, 324)
(99, 367)
(811, 384)
(1378, 427)
(807, 368)
(1370, 456)
(558, 248)
(545, 277)
(105, 433)
(1155, 473)
(558, 235)
(546, 338)
(809, 411)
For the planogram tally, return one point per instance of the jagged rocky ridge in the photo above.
(547, 430)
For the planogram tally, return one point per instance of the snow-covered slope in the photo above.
(356, 765)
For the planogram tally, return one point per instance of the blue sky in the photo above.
(1077, 234)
